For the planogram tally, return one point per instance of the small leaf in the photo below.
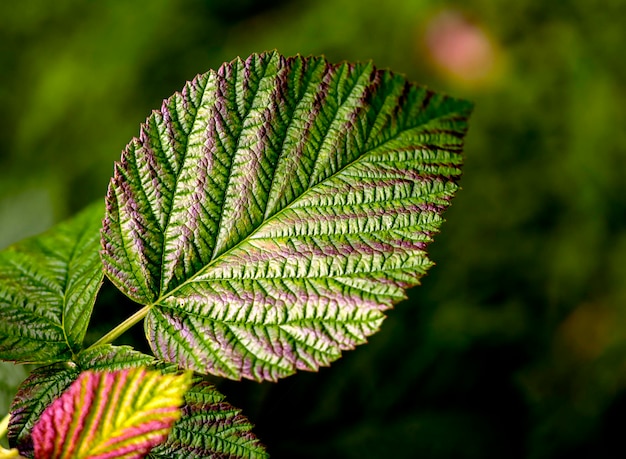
(209, 427)
(48, 286)
(270, 212)
(120, 414)
(108, 358)
(46, 384)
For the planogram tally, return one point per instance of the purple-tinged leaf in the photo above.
(106, 415)
(272, 211)
(35, 394)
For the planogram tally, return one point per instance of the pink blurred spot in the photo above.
(460, 47)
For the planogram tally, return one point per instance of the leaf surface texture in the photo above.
(48, 286)
(119, 414)
(46, 384)
(209, 427)
(274, 209)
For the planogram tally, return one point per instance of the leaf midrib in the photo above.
(358, 158)
(74, 256)
(231, 165)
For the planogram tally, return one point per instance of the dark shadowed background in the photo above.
(515, 344)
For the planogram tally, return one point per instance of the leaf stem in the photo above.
(123, 327)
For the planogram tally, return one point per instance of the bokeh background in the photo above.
(515, 344)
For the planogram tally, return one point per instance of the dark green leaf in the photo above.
(269, 213)
(48, 286)
(209, 427)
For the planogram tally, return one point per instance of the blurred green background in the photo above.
(514, 346)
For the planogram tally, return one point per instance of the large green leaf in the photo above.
(268, 214)
(48, 286)
(112, 414)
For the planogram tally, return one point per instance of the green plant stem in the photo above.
(123, 327)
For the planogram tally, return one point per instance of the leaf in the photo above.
(268, 214)
(46, 384)
(48, 286)
(209, 427)
(120, 414)
(39, 390)
(108, 358)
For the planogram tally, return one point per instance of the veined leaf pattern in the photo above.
(48, 286)
(119, 414)
(46, 384)
(209, 427)
(271, 212)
